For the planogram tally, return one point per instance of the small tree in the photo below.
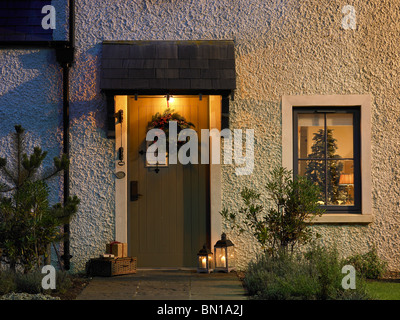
(28, 224)
(286, 223)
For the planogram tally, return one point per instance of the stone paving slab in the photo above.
(165, 285)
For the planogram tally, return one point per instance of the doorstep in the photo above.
(152, 284)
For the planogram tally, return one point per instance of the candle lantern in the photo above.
(204, 260)
(224, 255)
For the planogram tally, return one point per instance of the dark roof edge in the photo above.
(132, 92)
(186, 42)
(33, 44)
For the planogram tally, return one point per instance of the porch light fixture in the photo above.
(224, 253)
(169, 98)
(204, 260)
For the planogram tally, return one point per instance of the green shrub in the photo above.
(315, 275)
(368, 264)
(29, 282)
(326, 264)
(286, 223)
(32, 282)
(7, 282)
(28, 223)
(280, 278)
(63, 281)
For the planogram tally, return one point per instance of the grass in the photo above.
(384, 289)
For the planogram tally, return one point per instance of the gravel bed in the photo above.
(27, 296)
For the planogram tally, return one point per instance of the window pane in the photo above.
(311, 140)
(340, 182)
(340, 135)
(315, 171)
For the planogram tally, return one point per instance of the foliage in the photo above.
(369, 264)
(287, 221)
(7, 282)
(28, 224)
(161, 121)
(29, 282)
(63, 281)
(315, 275)
(32, 282)
(328, 267)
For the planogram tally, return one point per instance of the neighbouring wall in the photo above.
(282, 47)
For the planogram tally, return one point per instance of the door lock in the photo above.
(134, 191)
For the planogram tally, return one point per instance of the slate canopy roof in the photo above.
(22, 21)
(168, 66)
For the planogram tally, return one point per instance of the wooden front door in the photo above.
(168, 224)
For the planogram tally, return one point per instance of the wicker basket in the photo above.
(104, 267)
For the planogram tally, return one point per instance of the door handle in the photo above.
(134, 191)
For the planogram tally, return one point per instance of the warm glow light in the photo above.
(223, 260)
(203, 262)
(346, 179)
(169, 98)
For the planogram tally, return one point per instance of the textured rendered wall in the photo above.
(282, 47)
(30, 95)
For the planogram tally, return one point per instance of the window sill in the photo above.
(338, 218)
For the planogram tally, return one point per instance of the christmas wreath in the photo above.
(161, 121)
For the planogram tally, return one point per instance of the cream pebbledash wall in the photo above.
(282, 47)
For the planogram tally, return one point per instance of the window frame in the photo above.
(363, 101)
(355, 111)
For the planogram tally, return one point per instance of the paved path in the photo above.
(165, 285)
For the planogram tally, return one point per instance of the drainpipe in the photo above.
(65, 57)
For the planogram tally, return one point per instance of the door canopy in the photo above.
(168, 67)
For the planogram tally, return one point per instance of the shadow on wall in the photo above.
(31, 90)
(30, 95)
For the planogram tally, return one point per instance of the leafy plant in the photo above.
(7, 282)
(29, 282)
(286, 223)
(63, 281)
(369, 264)
(28, 224)
(32, 282)
(314, 275)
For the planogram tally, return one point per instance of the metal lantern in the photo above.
(224, 255)
(204, 260)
